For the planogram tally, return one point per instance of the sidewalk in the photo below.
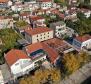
(79, 76)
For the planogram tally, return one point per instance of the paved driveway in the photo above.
(5, 72)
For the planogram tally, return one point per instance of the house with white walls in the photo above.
(6, 22)
(82, 42)
(38, 34)
(21, 63)
(45, 4)
(37, 21)
(59, 28)
(18, 62)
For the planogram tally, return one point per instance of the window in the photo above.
(16, 64)
(59, 29)
(37, 39)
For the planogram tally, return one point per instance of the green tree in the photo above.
(81, 16)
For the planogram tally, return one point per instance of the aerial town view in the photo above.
(45, 41)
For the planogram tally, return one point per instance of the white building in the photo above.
(82, 42)
(45, 4)
(6, 22)
(37, 21)
(38, 34)
(59, 28)
(21, 63)
(18, 62)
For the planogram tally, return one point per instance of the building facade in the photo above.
(45, 4)
(38, 34)
(82, 42)
(59, 28)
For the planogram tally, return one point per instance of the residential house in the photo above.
(3, 4)
(58, 45)
(37, 21)
(6, 22)
(59, 28)
(82, 42)
(36, 53)
(36, 49)
(38, 34)
(19, 63)
(70, 14)
(45, 4)
(25, 16)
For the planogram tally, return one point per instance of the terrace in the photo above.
(58, 45)
(37, 54)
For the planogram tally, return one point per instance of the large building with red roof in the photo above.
(38, 34)
(81, 42)
(42, 51)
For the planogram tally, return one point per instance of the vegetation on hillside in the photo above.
(21, 23)
(9, 38)
(82, 26)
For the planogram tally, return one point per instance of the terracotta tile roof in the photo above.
(25, 14)
(33, 47)
(38, 30)
(83, 38)
(3, 1)
(1, 17)
(45, 0)
(5, 17)
(14, 55)
(53, 55)
(55, 42)
(35, 18)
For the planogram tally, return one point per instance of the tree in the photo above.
(71, 63)
(9, 38)
(83, 58)
(81, 16)
(43, 76)
(21, 23)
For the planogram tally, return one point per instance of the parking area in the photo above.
(5, 73)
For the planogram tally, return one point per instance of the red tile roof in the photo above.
(14, 55)
(55, 42)
(25, 14)
(38, 30)
(34, 18)
(33, 47)
(83, 38)
(53, 55)
(3, 1)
